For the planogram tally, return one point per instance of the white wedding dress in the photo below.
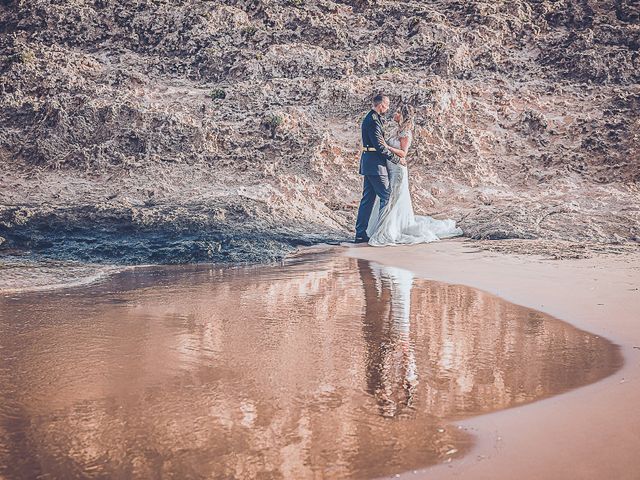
(397, 225)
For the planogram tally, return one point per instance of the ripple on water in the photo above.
(335, 367)
(27, 274)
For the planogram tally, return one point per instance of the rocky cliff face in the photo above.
(150, 130)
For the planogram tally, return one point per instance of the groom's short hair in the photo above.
(378, 99)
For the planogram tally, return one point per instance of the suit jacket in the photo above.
(374, 162)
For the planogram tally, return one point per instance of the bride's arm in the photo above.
(404, 147)
(397, 151)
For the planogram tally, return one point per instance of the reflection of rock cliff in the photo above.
(336, 368)
(203, 125)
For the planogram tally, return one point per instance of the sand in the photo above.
(107, 345)
(325, 366)
(592, 432)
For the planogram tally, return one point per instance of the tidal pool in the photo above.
(324, 367)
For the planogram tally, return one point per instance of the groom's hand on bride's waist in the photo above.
(392, 156)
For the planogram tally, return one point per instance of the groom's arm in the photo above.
(380, 144)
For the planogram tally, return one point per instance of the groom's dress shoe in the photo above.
(361, 240)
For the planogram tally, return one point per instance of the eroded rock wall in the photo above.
(220, 121)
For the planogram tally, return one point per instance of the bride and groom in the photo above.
(385, 216)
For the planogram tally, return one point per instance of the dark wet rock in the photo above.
(143, 235)
(145, 121)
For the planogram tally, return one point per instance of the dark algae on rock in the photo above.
(153, 131)
(120, 235)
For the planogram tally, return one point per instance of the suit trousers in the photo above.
(373, 185)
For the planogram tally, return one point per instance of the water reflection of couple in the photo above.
(391, 371)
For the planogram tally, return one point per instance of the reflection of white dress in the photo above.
(397, 224)
(400, 377)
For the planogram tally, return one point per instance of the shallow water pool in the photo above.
(325, 367)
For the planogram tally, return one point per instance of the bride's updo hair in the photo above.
(406, 121)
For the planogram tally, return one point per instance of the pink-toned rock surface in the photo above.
(221, 128)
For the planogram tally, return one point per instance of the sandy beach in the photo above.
(339, 363)
(592, 432)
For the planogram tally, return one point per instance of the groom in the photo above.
(373, 165)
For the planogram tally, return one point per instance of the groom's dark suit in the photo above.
(373, 165)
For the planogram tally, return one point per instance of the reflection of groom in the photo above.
(373, 165)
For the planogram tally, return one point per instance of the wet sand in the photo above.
(589, 433)
(325, 367)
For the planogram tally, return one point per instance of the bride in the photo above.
(397, 223)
